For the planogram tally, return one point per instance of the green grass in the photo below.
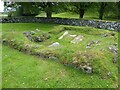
(87, 16)
(3, 15)
(17, 65)
(25, 71)
(20, 27)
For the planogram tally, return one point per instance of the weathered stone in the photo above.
(115, 59)
(37, 30)
(56, 44)
(88, 46)
(109, 74)
(65, 33)
(52, 57)
(87, 69)
(105, 35)
(113, 49)
(26, 33)
(98, 43)
(30, 37)
(32, 32)
(92, 42)
(77, 39)
(73, 36)
(38, 39)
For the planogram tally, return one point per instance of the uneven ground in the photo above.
(23, 70)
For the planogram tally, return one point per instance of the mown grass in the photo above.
(25, 71)
(39, 73)
(88, 16)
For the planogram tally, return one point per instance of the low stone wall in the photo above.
(93, 23)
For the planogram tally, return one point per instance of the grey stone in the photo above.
(109, 74)
(88, 46)
(56, 44)
(26, 33)
(38, 39)
(37, 30)
(92, 42)
(65, 33)
(105, 35)
(73, 36)
(77, 39)
(30, 37)
(87, 69)
(115, 59)
(113, 49)
(54, 58)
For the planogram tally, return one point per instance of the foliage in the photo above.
(80, 7)
(105, 9)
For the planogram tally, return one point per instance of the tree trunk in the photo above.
(20, 11)
(49, 10)
(102, 9)
(119, 10)
(101, 14)
(81, 13)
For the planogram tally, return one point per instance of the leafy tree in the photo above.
(118, 6)
(47, 7)
(80, 7)
(108, 10)
(23, 8)
(102, 7)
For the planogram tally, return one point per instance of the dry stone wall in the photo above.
(65, 21)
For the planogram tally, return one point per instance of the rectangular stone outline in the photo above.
(53, 1)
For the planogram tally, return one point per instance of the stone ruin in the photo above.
(36, 36)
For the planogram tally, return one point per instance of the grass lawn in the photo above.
(87, 16)
(3, 15)
(23, 70)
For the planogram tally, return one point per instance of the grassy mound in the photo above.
(97, 59)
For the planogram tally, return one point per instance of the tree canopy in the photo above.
(105, 9)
